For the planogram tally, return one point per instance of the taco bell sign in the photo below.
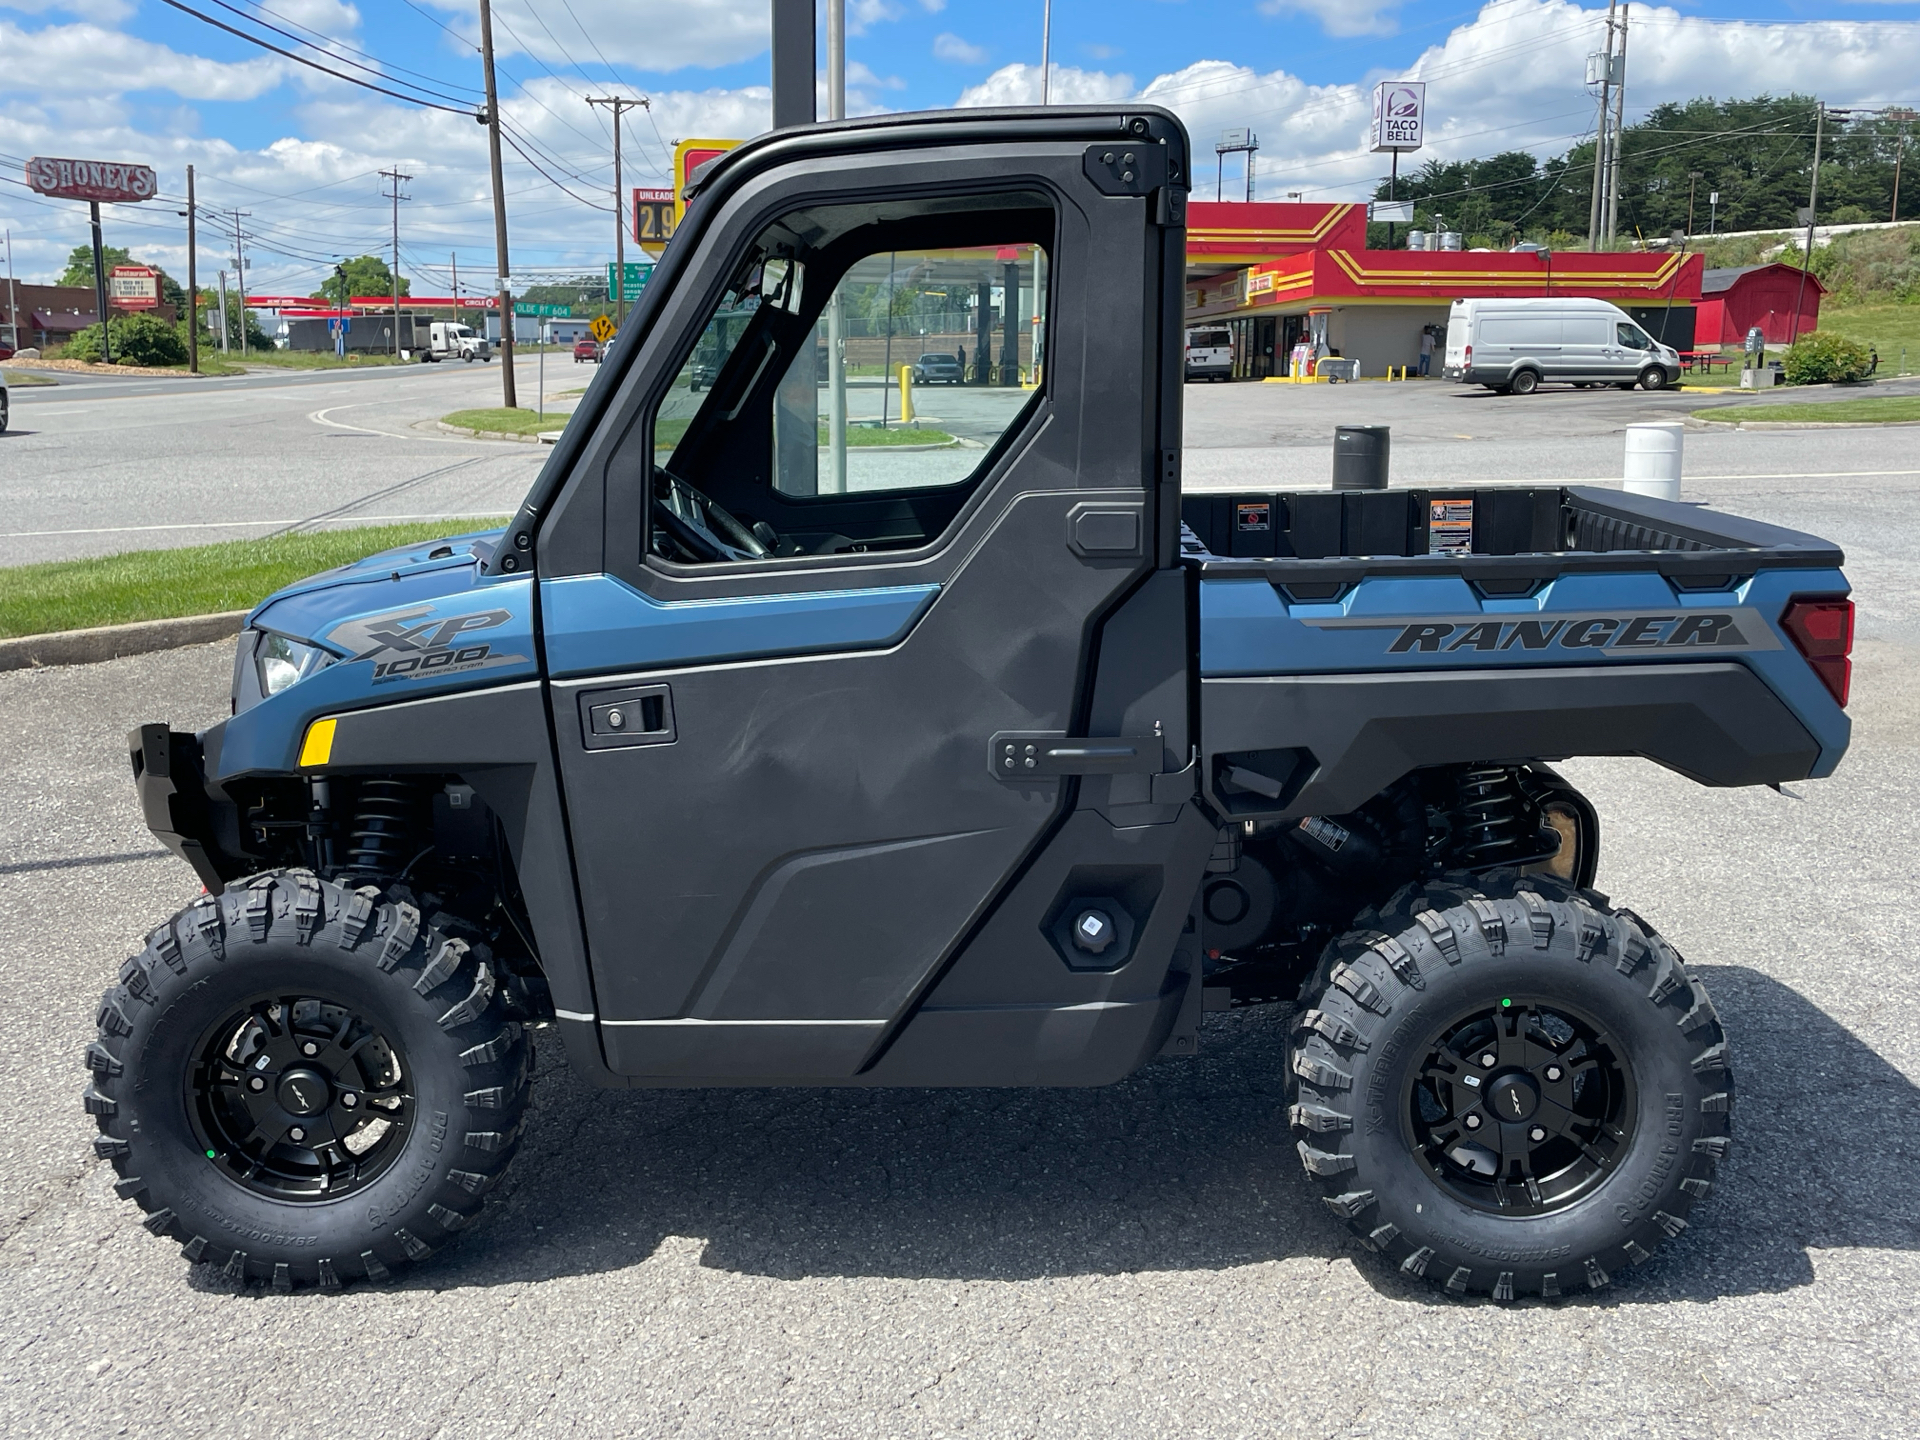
(1399, 115)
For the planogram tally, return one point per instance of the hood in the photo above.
(406, 575)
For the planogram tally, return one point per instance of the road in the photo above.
(1142, 1260)
(97, 466)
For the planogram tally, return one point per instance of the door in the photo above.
(782, 626)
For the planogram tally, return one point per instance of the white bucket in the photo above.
(1653, 460)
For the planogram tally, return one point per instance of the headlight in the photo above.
(283, 661)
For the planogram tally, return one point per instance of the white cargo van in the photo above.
(1515, 346)
(1210, 354)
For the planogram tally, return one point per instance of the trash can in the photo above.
(1360, 454)
(1337, 369)
(1653, 460)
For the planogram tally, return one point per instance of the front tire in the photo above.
(1411, 1049)
(1654, 377)
(305, 1084)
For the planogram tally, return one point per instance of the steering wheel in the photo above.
(700, 524)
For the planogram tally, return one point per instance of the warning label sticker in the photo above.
(1450, 527)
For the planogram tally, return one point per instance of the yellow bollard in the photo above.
(906, 394)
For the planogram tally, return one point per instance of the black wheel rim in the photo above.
(299, 1099)
(1521, 1107)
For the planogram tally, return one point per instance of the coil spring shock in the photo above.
(379, 839)
(1495, 817)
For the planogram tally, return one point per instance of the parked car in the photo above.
(3, 402)
(584, 350)
(1515, 346)
(937, 365)
(1210, 354)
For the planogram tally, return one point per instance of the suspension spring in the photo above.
(1494, 818)
(380, 839)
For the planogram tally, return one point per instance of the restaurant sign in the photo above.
(109, 180)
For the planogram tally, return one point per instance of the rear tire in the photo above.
(1524, 382)
(305, 1084)
(1613, 1059)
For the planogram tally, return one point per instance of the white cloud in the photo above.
(66, 57)
(1341, 17)
(948, 46)
(654, 35)
(934, 7)
(105, 12)
(1020, 85)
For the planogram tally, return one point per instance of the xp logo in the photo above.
(418, 642)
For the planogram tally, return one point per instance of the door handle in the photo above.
(631, 715)
(1046, 754)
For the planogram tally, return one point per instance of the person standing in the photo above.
(1426, 349)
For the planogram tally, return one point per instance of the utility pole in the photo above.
(836, 313)
(1693, 179)
(394, 195)
(1813, 201)
(619, 104)
(504, 272)
(193, 281)
(1600, 132)
(221, 282)
(1046, 44)
(1616, 154)
(1899, 154)
(240, 272)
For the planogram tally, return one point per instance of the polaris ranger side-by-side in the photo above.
(743, 757)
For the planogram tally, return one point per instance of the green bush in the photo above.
(1824, 358)
(137, 340)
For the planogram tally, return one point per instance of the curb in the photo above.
(114, 642)
(1812, 424)
(544, 437)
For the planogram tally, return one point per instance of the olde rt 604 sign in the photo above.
(112, 181)
(1399, 115)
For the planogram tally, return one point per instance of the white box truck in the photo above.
(1516, 346)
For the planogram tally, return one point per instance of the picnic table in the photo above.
(1705, 359)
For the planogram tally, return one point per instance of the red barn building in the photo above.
(1733, 301)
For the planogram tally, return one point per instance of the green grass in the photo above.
(1885, 409)
(1885, 327)
(202, 580)
(507, 422)
(22, 379)
(308, 359)
(863, 436)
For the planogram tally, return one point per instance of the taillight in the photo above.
(1822, 631)
(1467, 357)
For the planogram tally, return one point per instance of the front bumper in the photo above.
(171, 784)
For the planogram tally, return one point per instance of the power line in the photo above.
(310, 64)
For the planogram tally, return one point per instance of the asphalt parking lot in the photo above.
(1139, 1260)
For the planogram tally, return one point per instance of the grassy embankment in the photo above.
(1884, 410)
(201, 580)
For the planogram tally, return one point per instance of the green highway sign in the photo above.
(526, 307)
(636, 280)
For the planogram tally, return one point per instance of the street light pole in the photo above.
(836, 315)
(504, 269)
(1693, 179)
(1046, 44)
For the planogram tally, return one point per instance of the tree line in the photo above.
(1757, 154)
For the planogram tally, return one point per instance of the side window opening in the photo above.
(855, 380)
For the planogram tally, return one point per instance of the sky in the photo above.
(148, 81)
